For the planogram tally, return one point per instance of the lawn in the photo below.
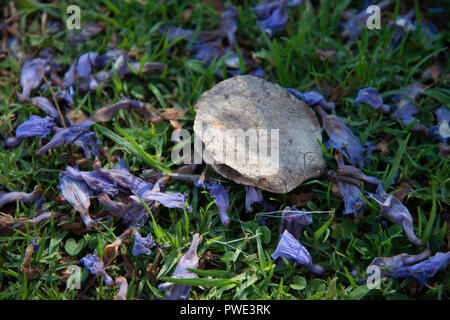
(235, 261)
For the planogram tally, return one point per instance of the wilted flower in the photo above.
(95, 265)
(35, 126)
(90, 144)
(122, 283)
(136, 215)
(88, 31)
(168, 200)
(312, 98)
(124, 179)
(220, 196)
(290, 248)
(174, 291)
(405, 265)
(252, 195)
(45, 105)
(69, 135)
(371, 97)
(93, 181)
(77, 194)
(117, 209)
(397, 262)
(8, 197)
(405, 109)
(393, 208)
(209, 44)
(86, 63)
(294, 221)
(273, 16)
(142, 245)
(31, 76)
(342, 138)
(441, 131)
(430, 267)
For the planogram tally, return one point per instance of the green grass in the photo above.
(241, 269)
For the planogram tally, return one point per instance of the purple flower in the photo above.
(441, 131)
(252, 195)
(85, 64)
(371, 97)
(45, 105)
(31, 76)
(190, 260)
(168, 200)
(142, 245)
(95, 265)
(342, 138)
(220, 196)
(8, 197)
(290, 248)
(273, 16)
(405, 109)
(209, 44)
(66, 136)
(90, 144)
(393, 208)
(88, 31)
(93, 181)
(353, 203)
(266, 8)
(35, 126)
(137, 214)
(430, 267)
(124, 179)
(312, 98)
(70, 77)
(277, 19)
(77, 194)
(294, 222)
(405, 265)
(401, 261)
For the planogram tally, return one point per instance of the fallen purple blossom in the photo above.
(33, 127)
(290, 248)
(31, 77)
(393, 208)
(142, 245)
(77, 194)
(342, 138)
(371, 97)
(312, 98)
(93, 181)
(220, 196)
(294, 221)
(174, 291)
(45, 105)
(95, 265)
